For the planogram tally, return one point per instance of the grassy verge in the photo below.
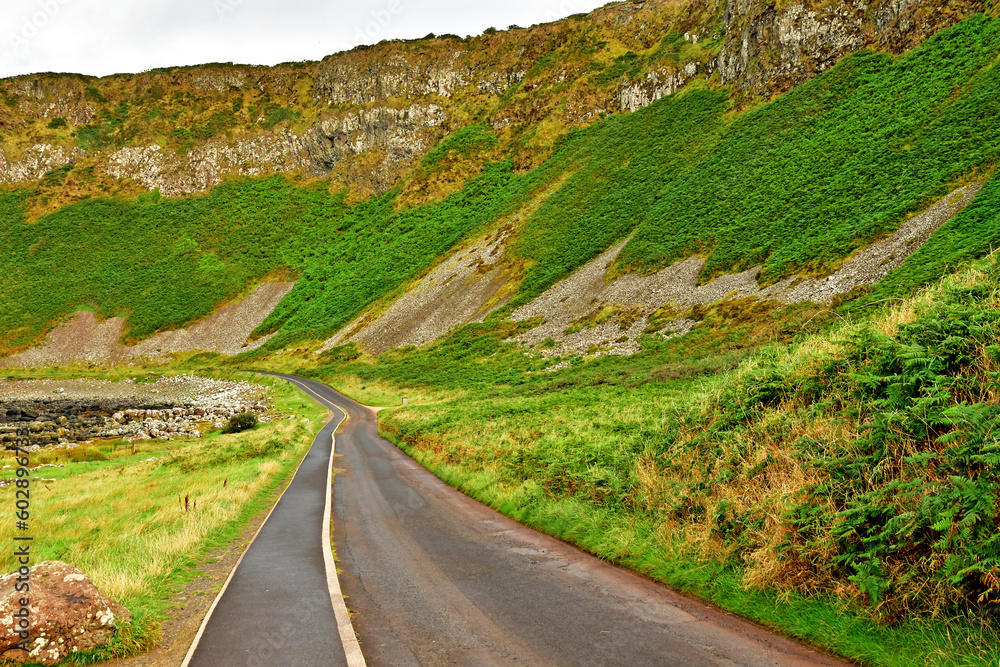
(640, 544)
(118, 513)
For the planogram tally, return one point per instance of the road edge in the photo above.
(348, 638)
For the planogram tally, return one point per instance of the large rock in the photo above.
(68, 615)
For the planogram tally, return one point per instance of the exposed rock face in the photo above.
(373, 112)
(37, 161)
(657, 85)
(46, 98)
(399, 134)
(177, 175)
(400, 77)
(769, 50)
(68, 615)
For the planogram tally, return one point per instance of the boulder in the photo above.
(68, 615)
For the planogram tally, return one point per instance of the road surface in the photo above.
(433, 577)
(276, 609)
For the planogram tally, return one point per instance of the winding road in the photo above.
(433, 577)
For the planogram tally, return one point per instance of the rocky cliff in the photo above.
(365, 118)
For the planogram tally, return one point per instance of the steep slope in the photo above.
(795, 185)
(85, 338)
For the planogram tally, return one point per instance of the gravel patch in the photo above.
(86, 339)
(226, 331)
(870, 265)
(585, 314)
(465, 288)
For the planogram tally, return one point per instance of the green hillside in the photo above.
(796, 185)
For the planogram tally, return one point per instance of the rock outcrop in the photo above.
(67, 615)
(68, 412)
(399, 136)
(367, 116)
(36, 161)
(769, 49)
(176, 175)
(656, 85)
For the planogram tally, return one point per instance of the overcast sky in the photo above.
(102, 37)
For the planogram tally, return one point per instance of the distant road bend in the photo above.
(435, 578)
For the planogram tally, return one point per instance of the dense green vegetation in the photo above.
(972, 233)
(159, 263)
(464, 143)
(374, 249)
(796, 184)
(828, 167)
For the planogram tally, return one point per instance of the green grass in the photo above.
(734, 464)
(637, 543)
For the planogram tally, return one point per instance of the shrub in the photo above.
(56, 123)
(279, 115)
(241, 422)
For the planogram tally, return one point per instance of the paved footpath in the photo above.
(436, 578)
(276, 609)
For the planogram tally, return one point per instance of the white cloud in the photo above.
(101, 37)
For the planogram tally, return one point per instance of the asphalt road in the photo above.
(276, 609)
(435, 578)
